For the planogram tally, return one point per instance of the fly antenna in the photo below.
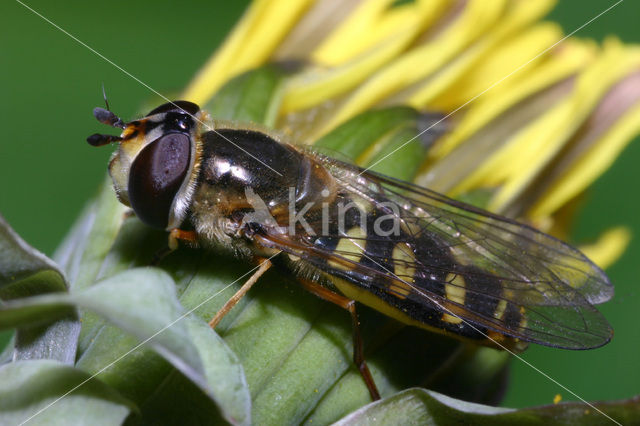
(104, 96)
(98, 139)
(105, 116)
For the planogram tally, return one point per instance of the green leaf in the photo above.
(30, 391)
(135, 375)
(419, 406)
(266, 328)
(140, 301)
(84, 249)
(262, 328)
(68, 254)
(250, 97)
(400, 155)
(224, 372)
(296, 349)
(477, 374)
(24, 272)
(135, 244)
(370, 138)
(57, 340)
(478, 197)
(360, 133)
(150, 294)
(7, 353)
(143, 303)
(189, 405)
(406, 358)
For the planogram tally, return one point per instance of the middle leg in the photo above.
(265, 264)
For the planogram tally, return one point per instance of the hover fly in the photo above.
(352, 235)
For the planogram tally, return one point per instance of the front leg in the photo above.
(175, 235)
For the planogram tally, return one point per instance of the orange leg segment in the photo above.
(358, 352)
(179, 235)
(175, 235)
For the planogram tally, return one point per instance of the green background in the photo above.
(50, 84)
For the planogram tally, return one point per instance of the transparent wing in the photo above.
(487, 271)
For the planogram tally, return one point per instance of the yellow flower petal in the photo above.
(319, 84)
(525, 147)
(250, 44)
(420, 62)
(609, 247)
(551, 132)
(591, 165)
(498, 65)
(509, 94)
(460, 160)
(518, 15)
(311, 30)
(370, 24)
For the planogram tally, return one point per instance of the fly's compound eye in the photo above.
(156, 176)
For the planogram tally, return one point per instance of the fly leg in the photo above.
(358, 353)
(265, 264)
(179, 235)
(175, 235)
